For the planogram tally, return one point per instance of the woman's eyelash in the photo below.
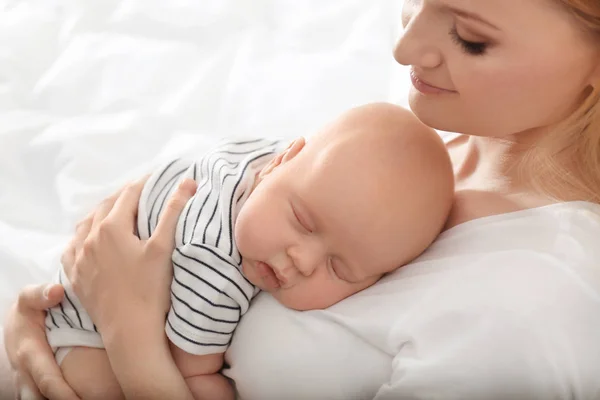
(473, 48)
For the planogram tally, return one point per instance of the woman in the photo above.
(505, 304)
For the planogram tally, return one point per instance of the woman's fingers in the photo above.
(39, 297)
(74, 246)
(164, 235)
(27, 347)
(94, 219)
(105, 207)
(46, 373)
(37, 368)
(25, 388)
(124, 211)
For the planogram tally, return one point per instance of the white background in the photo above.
(96, 92)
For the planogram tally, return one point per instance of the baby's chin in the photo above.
(302, 301)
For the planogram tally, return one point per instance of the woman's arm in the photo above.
(35, 373)
(140, 357)
(123, 282)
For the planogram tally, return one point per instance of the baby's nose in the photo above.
(306, 262)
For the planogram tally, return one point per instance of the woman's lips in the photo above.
(425, 87)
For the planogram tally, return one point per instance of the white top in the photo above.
(502, 307)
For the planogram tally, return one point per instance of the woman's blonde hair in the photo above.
(576, 139)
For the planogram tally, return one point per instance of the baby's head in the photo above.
(329, 217)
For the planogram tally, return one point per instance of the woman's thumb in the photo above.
(165, 230)
(40, 297)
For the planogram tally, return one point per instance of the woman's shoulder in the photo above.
(538, 250)
(560, 228)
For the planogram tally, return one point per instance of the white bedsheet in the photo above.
(94, 93)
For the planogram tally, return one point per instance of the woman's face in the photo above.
(505, 66)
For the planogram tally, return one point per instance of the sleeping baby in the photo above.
(311, 225)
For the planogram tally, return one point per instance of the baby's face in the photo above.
(315, 231)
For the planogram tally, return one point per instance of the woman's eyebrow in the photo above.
(471, 15)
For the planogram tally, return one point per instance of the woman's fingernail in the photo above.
(46, 291)
(27, 394)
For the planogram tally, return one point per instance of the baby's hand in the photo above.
(201, 373)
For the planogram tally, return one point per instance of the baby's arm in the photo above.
(142, 362)
(140, 367)
(88, 372)
(201, 373)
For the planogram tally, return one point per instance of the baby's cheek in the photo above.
(296, 298)
(252, 237)
(243, 236)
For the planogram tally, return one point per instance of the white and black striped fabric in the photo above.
(209, 294)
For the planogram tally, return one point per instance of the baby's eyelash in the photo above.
(300, 221)
(473, 48)
(330, 262)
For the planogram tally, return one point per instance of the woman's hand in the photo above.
(36, 375)
(117, 275)
(123, 283)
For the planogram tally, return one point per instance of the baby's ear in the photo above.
(293, 149)
(290, 152)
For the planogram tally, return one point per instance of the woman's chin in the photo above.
(432, 116)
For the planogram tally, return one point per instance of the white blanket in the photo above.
(94, 93)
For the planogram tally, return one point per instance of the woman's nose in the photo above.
(417, 45)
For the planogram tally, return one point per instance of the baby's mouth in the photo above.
(268, 276)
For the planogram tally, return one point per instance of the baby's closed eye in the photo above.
(303, 225)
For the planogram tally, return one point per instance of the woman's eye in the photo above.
(473, 48)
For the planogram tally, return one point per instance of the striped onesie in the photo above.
(209, 294)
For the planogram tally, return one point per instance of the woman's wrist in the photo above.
(139, 354)
(140, 357)
(140, 327)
